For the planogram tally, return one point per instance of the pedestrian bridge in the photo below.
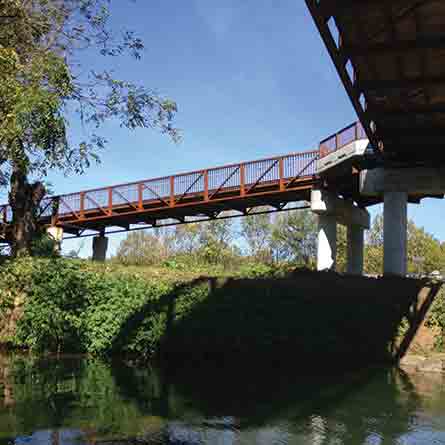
(202, 194)
(337, 181)
(228, 191)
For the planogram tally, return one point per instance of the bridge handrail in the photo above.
(345, 136)
(172, 190)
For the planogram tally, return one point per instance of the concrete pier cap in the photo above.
(327, 203)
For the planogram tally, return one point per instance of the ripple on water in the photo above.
(85, 402)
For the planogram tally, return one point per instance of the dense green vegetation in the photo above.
(194, 293)
(74, 306)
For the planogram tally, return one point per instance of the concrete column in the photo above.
(327, 242)
(355, 249)
(56, 233)
(395, 233)
(100, 245)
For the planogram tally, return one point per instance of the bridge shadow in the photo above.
(308, 320)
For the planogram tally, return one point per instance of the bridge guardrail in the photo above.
(342, 138)
(209, 184)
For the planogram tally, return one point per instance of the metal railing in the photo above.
(349, 134)
(229, 181)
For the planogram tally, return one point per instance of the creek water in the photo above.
(79, 401)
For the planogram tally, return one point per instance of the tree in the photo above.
(256, 230)
(187, 238)
(42, 85)
(215, 239)
(373, 254)
(208, 242)
(142, 248)
(295, 237)
(424, 252)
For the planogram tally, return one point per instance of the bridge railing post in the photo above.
(206, 185)
(140, 195)
(82, 204)
(242, 175)
(110, 199)
(172, 191)
(281, 173)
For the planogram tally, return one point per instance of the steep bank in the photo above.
(305, 318)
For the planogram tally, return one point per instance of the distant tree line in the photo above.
(289, 237)
(262, 238)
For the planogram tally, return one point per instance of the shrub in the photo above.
(70, 306)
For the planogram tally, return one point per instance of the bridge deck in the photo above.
(390, 56)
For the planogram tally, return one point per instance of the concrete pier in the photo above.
(395, 233)
(332, 210)
(100, 245)
(327, 242)
(356, 244)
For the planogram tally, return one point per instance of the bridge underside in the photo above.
(157, 213)
(390, 55)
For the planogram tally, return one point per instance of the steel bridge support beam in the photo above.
(395, 235)
(100, 246)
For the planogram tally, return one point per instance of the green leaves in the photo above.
(43, 87)
(70, 306)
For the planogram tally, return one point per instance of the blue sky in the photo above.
(252, 79)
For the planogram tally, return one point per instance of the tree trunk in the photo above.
(25, 199)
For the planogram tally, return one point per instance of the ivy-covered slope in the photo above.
(59, 305)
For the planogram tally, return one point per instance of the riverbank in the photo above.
(283, 318)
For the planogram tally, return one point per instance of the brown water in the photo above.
(80, 401)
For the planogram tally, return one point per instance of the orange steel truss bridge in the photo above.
(218, 192)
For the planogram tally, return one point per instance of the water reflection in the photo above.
(85, 401)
